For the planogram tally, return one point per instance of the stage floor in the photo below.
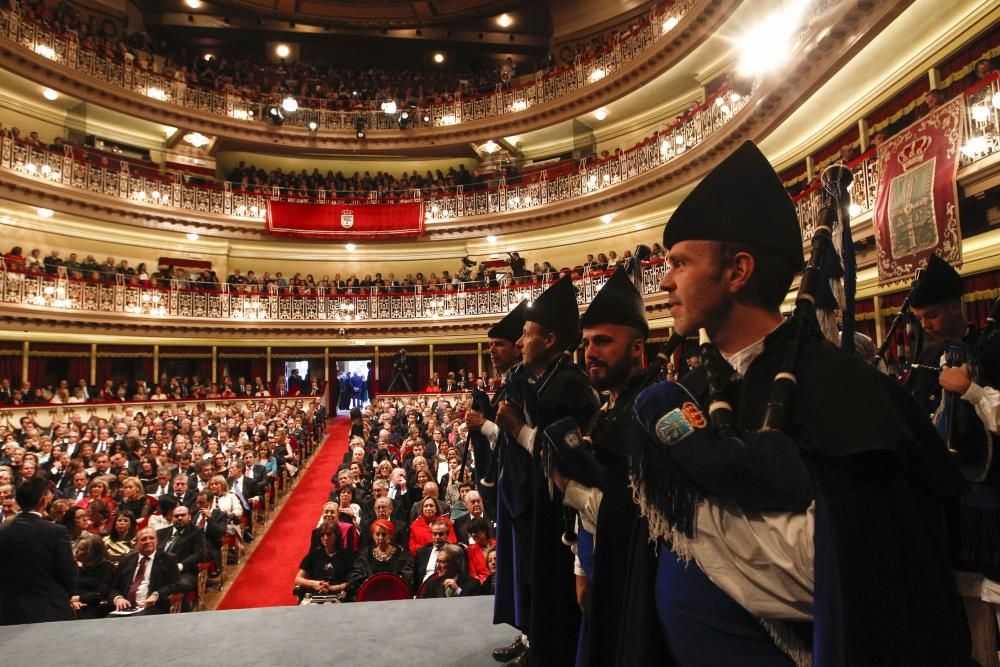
(411, 632)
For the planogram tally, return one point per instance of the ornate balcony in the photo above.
(671, 31)
(29, 295)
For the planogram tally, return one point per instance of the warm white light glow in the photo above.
(44, 212)
(670, 23)
(607, 218)
(450, 119)
(980, 113)
(196, 139)
(490, 147)
(208, 57)
(50, 95)
(191, 236)
(505, 21)
(156, 94)
(351, 247)
(491, 239)
(601, 114)
(975, 146)
(767, 46)
(519, 105)
(439, 58)
(597, 75)
(193, 4)
(45, 51)
(289, 104)
(389, 106)
(854, 210)
(996, 101)
(282, 50)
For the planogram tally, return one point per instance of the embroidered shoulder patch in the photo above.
(673, 427)
(694, 415)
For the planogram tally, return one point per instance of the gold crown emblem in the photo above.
(912, 154)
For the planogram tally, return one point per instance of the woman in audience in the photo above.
(134, 499)
(164, 514)
(57, 508)
(93, 578)
(224, 499)
(120, 542)
(326, 570)
(382, 556)
(148, 465)
(77, 522)
(97, 488)
(100, 517)
(490, 583)
(350, 511)
(420, 529)
(433, 384)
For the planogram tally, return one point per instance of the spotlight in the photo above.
(439, 58)
(504, 20)
(389, 106)
(282, 50)
(427, 118)
(312, 125)
(360, 127)
(275, 115)
(404, 120)
(289, 104)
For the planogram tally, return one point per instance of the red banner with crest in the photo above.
(345, 222)
(916, 206)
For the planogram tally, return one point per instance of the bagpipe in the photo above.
(681, 455)
(905, 315)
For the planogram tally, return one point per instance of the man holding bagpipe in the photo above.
(505, 483)
(551, 387)
(589, 466)
(795, 490)
(955, 381)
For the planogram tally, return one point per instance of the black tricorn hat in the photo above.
(511, 326)
(741, 201)
(618, 302)
(556, 308)
(940, 283)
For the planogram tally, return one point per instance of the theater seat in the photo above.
(384, 586)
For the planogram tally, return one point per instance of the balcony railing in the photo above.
(164, 192)
(55, 292)
(982, 139)
(546, 87)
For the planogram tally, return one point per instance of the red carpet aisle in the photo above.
(266, 579)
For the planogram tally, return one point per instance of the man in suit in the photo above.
(213, 523)
(186, 543)
(430, 490)
(383, 509)
(450, 579)
(182, 492)
(246, 490)
(161, 486)
(255, 471)
(146, 578)
(38, 560)
(78, 490)
(425, 560)
(474, 502)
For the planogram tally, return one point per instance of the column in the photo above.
(326, 364)
(25, 347)
(879, 324)
(93, 364)
(156, 364)
(479, 359)
(215, 363)
(268, 364)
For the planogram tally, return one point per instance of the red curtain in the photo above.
(36, 370)
(336, 221)
(258, 368)
(79, 367)
(103, 370)
(10, 368)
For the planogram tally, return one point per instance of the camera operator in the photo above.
(517, 265)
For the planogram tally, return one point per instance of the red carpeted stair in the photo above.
(267, 578)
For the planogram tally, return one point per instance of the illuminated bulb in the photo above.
(45, 212)
(50, 95)
(519, 105)
(607, 218)
(439, 58)
(980, 113)
(854, 209)
(156, 94)
(596, 75)
(282, 50)
(670, 23)
(734, 97)
(996, 101)
(289, 104)
(975, 146)
(191, 236)
(389, 107)
(193, 4)
(505, 21)
(679, 140)
(351, 247)
(768, 45)
(491, 239)
(601, 114)
(46, 169)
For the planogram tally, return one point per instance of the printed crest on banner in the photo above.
(347, 218)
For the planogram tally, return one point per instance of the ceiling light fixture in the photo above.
(196, 139)
(351, 247)
(44, 212)
(607, 218)
(191, 236)
(282, 50)
(439, 58)
(490, 147)
(601, 114)
(50, 94)
(193, 4)
(491, 239)
(505, 21)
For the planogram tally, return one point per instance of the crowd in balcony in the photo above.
(492, 273)
(171, 486)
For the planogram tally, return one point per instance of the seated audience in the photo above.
(382, 556)
(93, 578)
(327, 569)
(145, 579)
(449, 579)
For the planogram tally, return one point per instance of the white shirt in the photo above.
(143, 591)
(431, 563)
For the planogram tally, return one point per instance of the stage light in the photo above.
(282, 50)
(601, 114)
(439, 58)
(427, 118)
(505, 21)
(768, 45)
(389, 106)
(289, 104)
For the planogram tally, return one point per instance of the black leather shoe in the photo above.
(508, 653)
(519, 661)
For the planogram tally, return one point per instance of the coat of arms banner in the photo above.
(346, 222)
(916, 206)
